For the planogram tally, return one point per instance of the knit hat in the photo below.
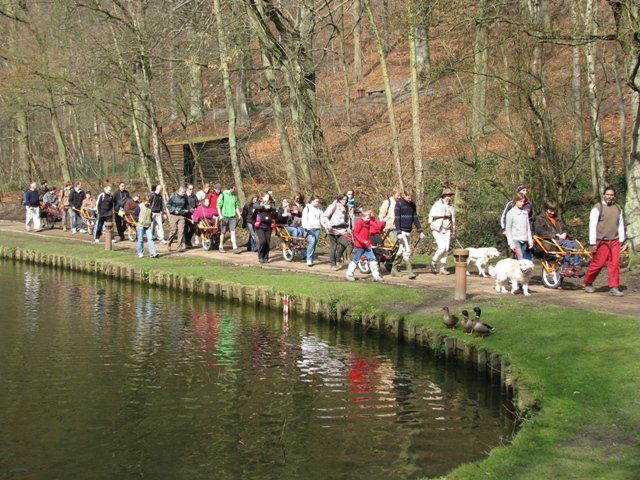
(522, 186)
(217, 186)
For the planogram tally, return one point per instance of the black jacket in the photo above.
(76, 198)
(104, 205)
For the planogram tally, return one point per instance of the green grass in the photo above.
(578, 371)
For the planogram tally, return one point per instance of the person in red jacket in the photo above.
(365, 225)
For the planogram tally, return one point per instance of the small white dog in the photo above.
(514, 270)
(481, 256)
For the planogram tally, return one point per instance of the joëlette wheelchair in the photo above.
(291, 246)
(551, 255)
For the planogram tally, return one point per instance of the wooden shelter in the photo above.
(198, 160)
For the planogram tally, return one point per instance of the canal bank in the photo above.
(577, 366)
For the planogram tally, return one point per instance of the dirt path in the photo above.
(571, 293)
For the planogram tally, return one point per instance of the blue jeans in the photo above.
(251, 244)
(295, 231)
(572, 244)
(521, 250)
(312, 240)
(141, 233)
(74, 220)
(367, 252)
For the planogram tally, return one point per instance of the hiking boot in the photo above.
(350, 278)
(434, 268)
(614, 292)
(578, 273)
(236, 251)
(589, 288)
(444, 271)
(568, 272)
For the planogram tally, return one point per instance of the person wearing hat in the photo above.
(442, 218)
(527, 207)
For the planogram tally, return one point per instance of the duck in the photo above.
(467, 323)
(451, 321)
(481, 328)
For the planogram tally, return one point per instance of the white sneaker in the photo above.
(309, 263)
(97, 241)
(140, 255)
(28, 229)
(73, 230)
(350, 278)
(163, 242)
(82, 230)
(114, 241)
(378, 279)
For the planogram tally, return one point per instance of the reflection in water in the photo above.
(101, 379)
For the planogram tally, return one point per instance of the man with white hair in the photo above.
(32, 203)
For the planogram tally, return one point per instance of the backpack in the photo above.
(24, 196)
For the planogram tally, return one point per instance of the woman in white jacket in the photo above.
(311, 216)
(443, 225)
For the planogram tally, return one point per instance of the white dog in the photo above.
(481, 256)
(514, 270)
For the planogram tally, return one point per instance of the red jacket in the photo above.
(362, 230)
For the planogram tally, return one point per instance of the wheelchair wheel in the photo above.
(553, 279)
(51, 221)
(207, 242)
(132, 234)
(287, 252)
(363, 265)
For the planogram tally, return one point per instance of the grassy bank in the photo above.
(579, 368)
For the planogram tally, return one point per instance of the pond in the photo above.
(102, 379)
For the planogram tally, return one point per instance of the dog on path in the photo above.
(512, 270)
(481, 257)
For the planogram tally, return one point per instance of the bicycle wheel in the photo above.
(287, 253)
(51, 221)
(363, 265)
(207, 242)
(553, 279)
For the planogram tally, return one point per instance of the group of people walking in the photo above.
(397, 218)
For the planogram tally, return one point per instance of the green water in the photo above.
(105, 380)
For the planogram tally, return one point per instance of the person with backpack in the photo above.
(119, 199)
(337, 223)
(387, 213)
(606, 233)
(178, 207)
(549, 224)
(31, 200)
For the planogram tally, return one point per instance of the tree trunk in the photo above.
(226, 82)
(62, 150)
(597, 154)
(576, 28)
(478, 116)
(24, 150)
(357, 40)
(415, 121)
(280, 121)
(627, 16)
(195, 92)
(395, 151)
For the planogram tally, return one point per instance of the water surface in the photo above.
(105, 380)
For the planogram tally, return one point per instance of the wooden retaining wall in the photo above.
(456, 350)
